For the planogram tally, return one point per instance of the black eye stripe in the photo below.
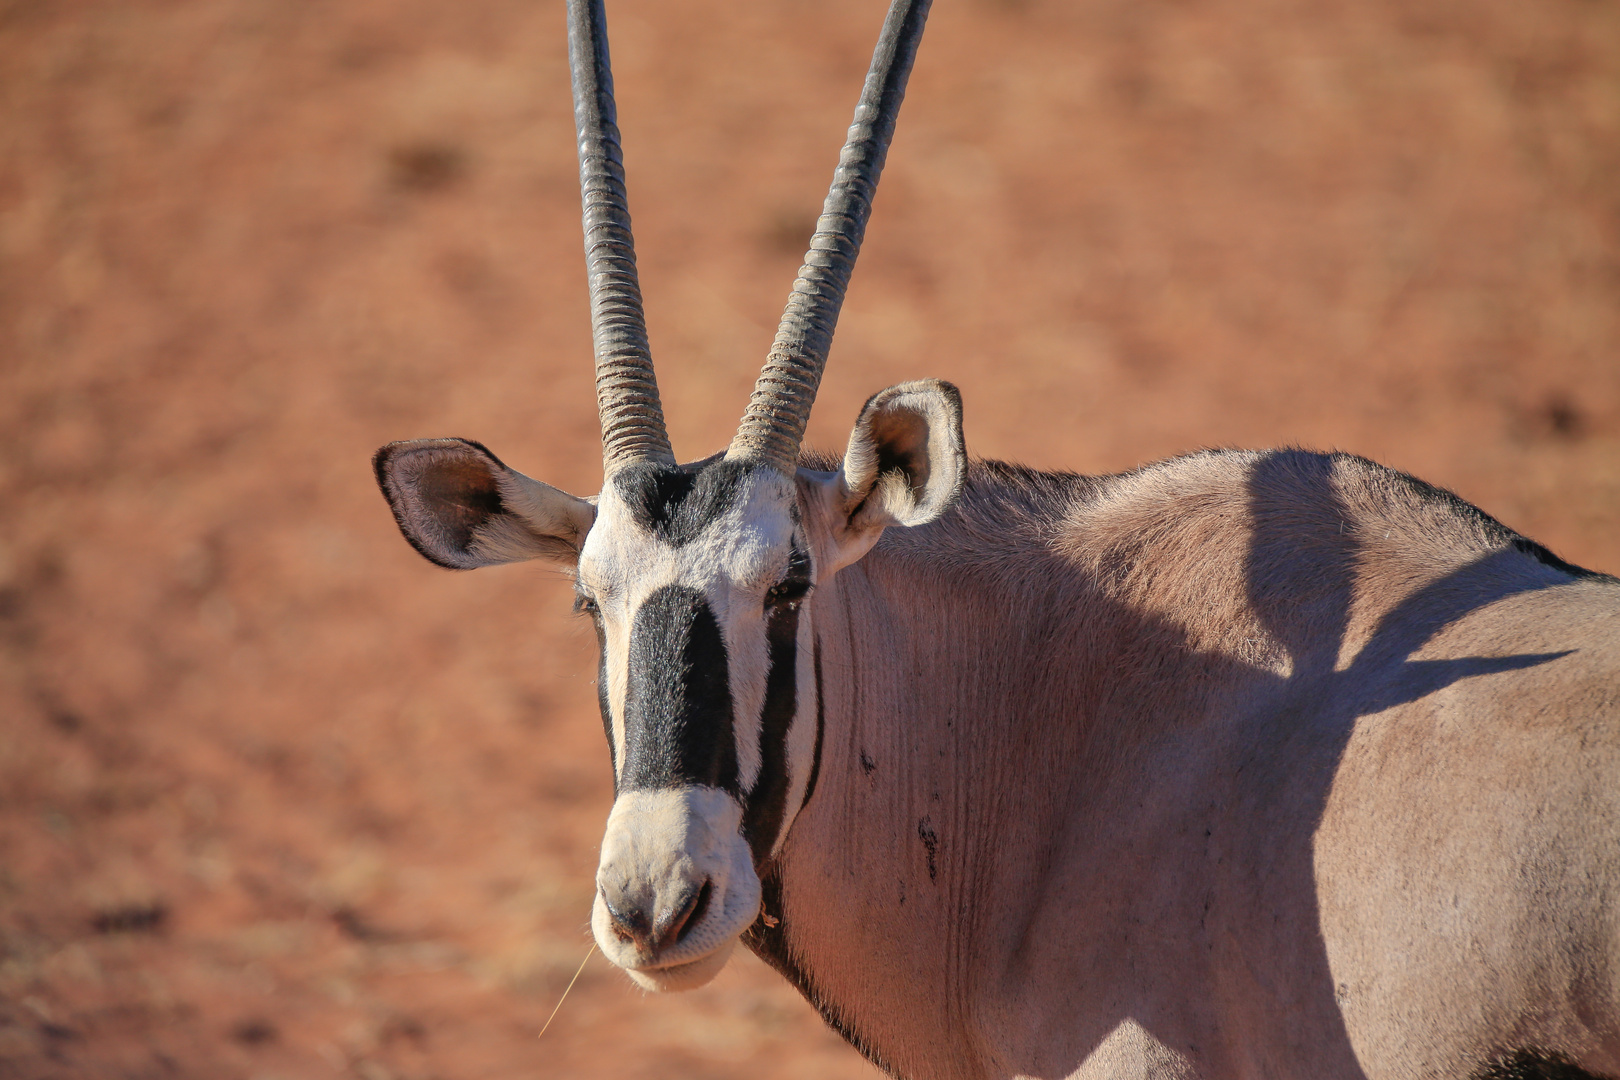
(796, 582)
(767, 801)
(766, 810)
(604, 704)
(678, 721)
(799, 562)
(786, 592)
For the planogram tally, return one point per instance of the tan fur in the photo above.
(1243, 765)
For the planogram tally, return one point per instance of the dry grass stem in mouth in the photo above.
(569, 987)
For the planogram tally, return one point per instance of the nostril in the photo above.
(698, 908)
(689, 914)
(631, 926)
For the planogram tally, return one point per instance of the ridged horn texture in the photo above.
(626, 391)
(773, 424)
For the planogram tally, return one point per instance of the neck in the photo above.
(913, 875)
(1077, 745)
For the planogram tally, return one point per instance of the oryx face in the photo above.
(697, 580)
(700, 578)
(701, 581)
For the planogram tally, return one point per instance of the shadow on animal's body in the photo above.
(1237, 766)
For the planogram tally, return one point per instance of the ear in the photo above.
(462, 508)
(904, 466)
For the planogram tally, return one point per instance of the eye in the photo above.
(787, 592)
(584, 605)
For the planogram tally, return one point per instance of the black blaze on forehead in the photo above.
(676, 503)
(678, 716)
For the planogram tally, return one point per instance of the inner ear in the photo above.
(460, 494)
(906, 460)
(461, 507)
(901, 440)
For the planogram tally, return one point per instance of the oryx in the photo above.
(1269, 764)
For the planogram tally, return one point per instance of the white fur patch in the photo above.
(660, 845)
(801, 737)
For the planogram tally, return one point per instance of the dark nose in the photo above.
(632, 923)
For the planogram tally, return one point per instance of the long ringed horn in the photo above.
(773, 424)
(626, 391)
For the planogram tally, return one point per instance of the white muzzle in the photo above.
(676, 886)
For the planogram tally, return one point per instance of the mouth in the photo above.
(697, 951)
(682, 975)
(676, 887)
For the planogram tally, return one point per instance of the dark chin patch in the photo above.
(677, 710)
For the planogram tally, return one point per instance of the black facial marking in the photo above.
(767, 803)
(677, 708)
(821, 729)
(675, 503)
(796, 582)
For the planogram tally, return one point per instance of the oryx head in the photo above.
(699, 577)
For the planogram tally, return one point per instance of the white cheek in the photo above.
(747, 661)
(801, 741)
(616, 639)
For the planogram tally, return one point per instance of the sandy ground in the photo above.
(279, 799)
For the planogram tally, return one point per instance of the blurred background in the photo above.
(278, 798)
